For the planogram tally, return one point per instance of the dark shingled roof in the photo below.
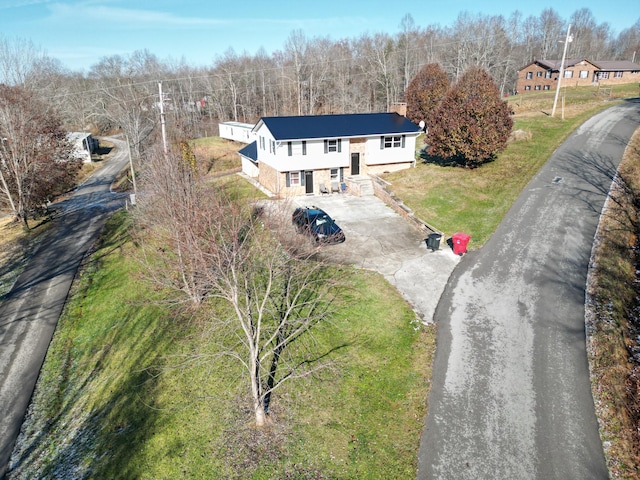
(616, 65)
(250, 151)
(606, 65)
(338, 126)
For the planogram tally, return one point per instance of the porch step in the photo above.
(363, 183)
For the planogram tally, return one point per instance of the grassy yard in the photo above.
(475, 200)
(115, 401)
(220, 155)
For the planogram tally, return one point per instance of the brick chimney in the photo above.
(399, 108)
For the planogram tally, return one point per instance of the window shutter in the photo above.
(381, 143)
(326, 146)
(339, 145)
(302, 175)
(288, 180)
(289, 148)
(304, 147)
(403, 141)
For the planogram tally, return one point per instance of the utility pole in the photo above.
(162, 123)
(133, 174)
(567, 40)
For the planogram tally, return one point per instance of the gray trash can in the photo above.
(433, 241)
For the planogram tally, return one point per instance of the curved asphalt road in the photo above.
(511, 395)
(30, 312)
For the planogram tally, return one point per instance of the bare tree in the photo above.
(128, 97)
(550, 30)
(261, 293)
(35, 154)
(627, 46)
(18, 60)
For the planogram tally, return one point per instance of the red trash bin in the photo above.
(460, 241)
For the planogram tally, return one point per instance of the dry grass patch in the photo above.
(218, 154)
(613, 321)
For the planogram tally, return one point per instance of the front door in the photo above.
(355, 164)
(308, 181)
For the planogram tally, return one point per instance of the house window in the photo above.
(294, 179)
(568, 74)
(304, 147)
(584, 73)
(617, 75)
(537, 87)
(527, 87)
(289, 149)
(603, 75)
(529, 75)
(395, 141)
(548, 74)
(331, 146)
(546, 87)
(272, 147)
(538, 74)
(262, 143)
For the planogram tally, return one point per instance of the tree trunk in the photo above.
(262, 418)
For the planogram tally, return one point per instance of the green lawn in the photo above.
(115, 401)
(112, 403)
(475, 200)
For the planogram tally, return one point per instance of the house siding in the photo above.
(236, 131)
(539, 81)
(279, 160)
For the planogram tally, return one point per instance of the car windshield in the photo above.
(322, 220)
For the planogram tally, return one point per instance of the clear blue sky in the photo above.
(80, 32)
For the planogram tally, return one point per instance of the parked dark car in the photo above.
(316, 223)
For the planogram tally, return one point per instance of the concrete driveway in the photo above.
(379, 239)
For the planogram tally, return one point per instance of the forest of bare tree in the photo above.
(307, 76)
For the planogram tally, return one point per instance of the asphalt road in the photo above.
(30, 312)
(511, 395)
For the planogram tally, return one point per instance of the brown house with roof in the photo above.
(542, 75)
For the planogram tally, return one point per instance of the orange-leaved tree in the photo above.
(425, 92)
(472, 124)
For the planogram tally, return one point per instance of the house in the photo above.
(298, 155)
(541, 75)
(236, 131)
(84, 144)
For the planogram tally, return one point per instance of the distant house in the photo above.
(299, 155)
(84, 144)
(541, 75)
(236, 131)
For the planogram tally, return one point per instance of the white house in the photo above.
(237, 131)
(306, 154)
(84, 144)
